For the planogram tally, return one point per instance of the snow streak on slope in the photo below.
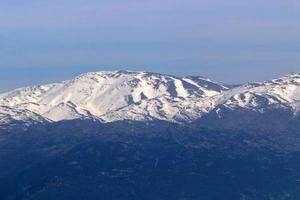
(117, 95)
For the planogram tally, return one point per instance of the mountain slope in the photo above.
(270, 105)
(283, 92)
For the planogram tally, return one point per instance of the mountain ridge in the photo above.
(110, 96)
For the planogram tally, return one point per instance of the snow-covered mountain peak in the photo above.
(105, 93)
(289, 79)
(282, 92)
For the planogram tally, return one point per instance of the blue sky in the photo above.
(229, 40)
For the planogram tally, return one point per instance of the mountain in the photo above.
(141, 96)
(142, 136)
(271, 105)
(283, 92)
(112, 96)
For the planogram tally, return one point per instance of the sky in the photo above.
(233, 41)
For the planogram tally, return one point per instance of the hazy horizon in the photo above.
(232, 41)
